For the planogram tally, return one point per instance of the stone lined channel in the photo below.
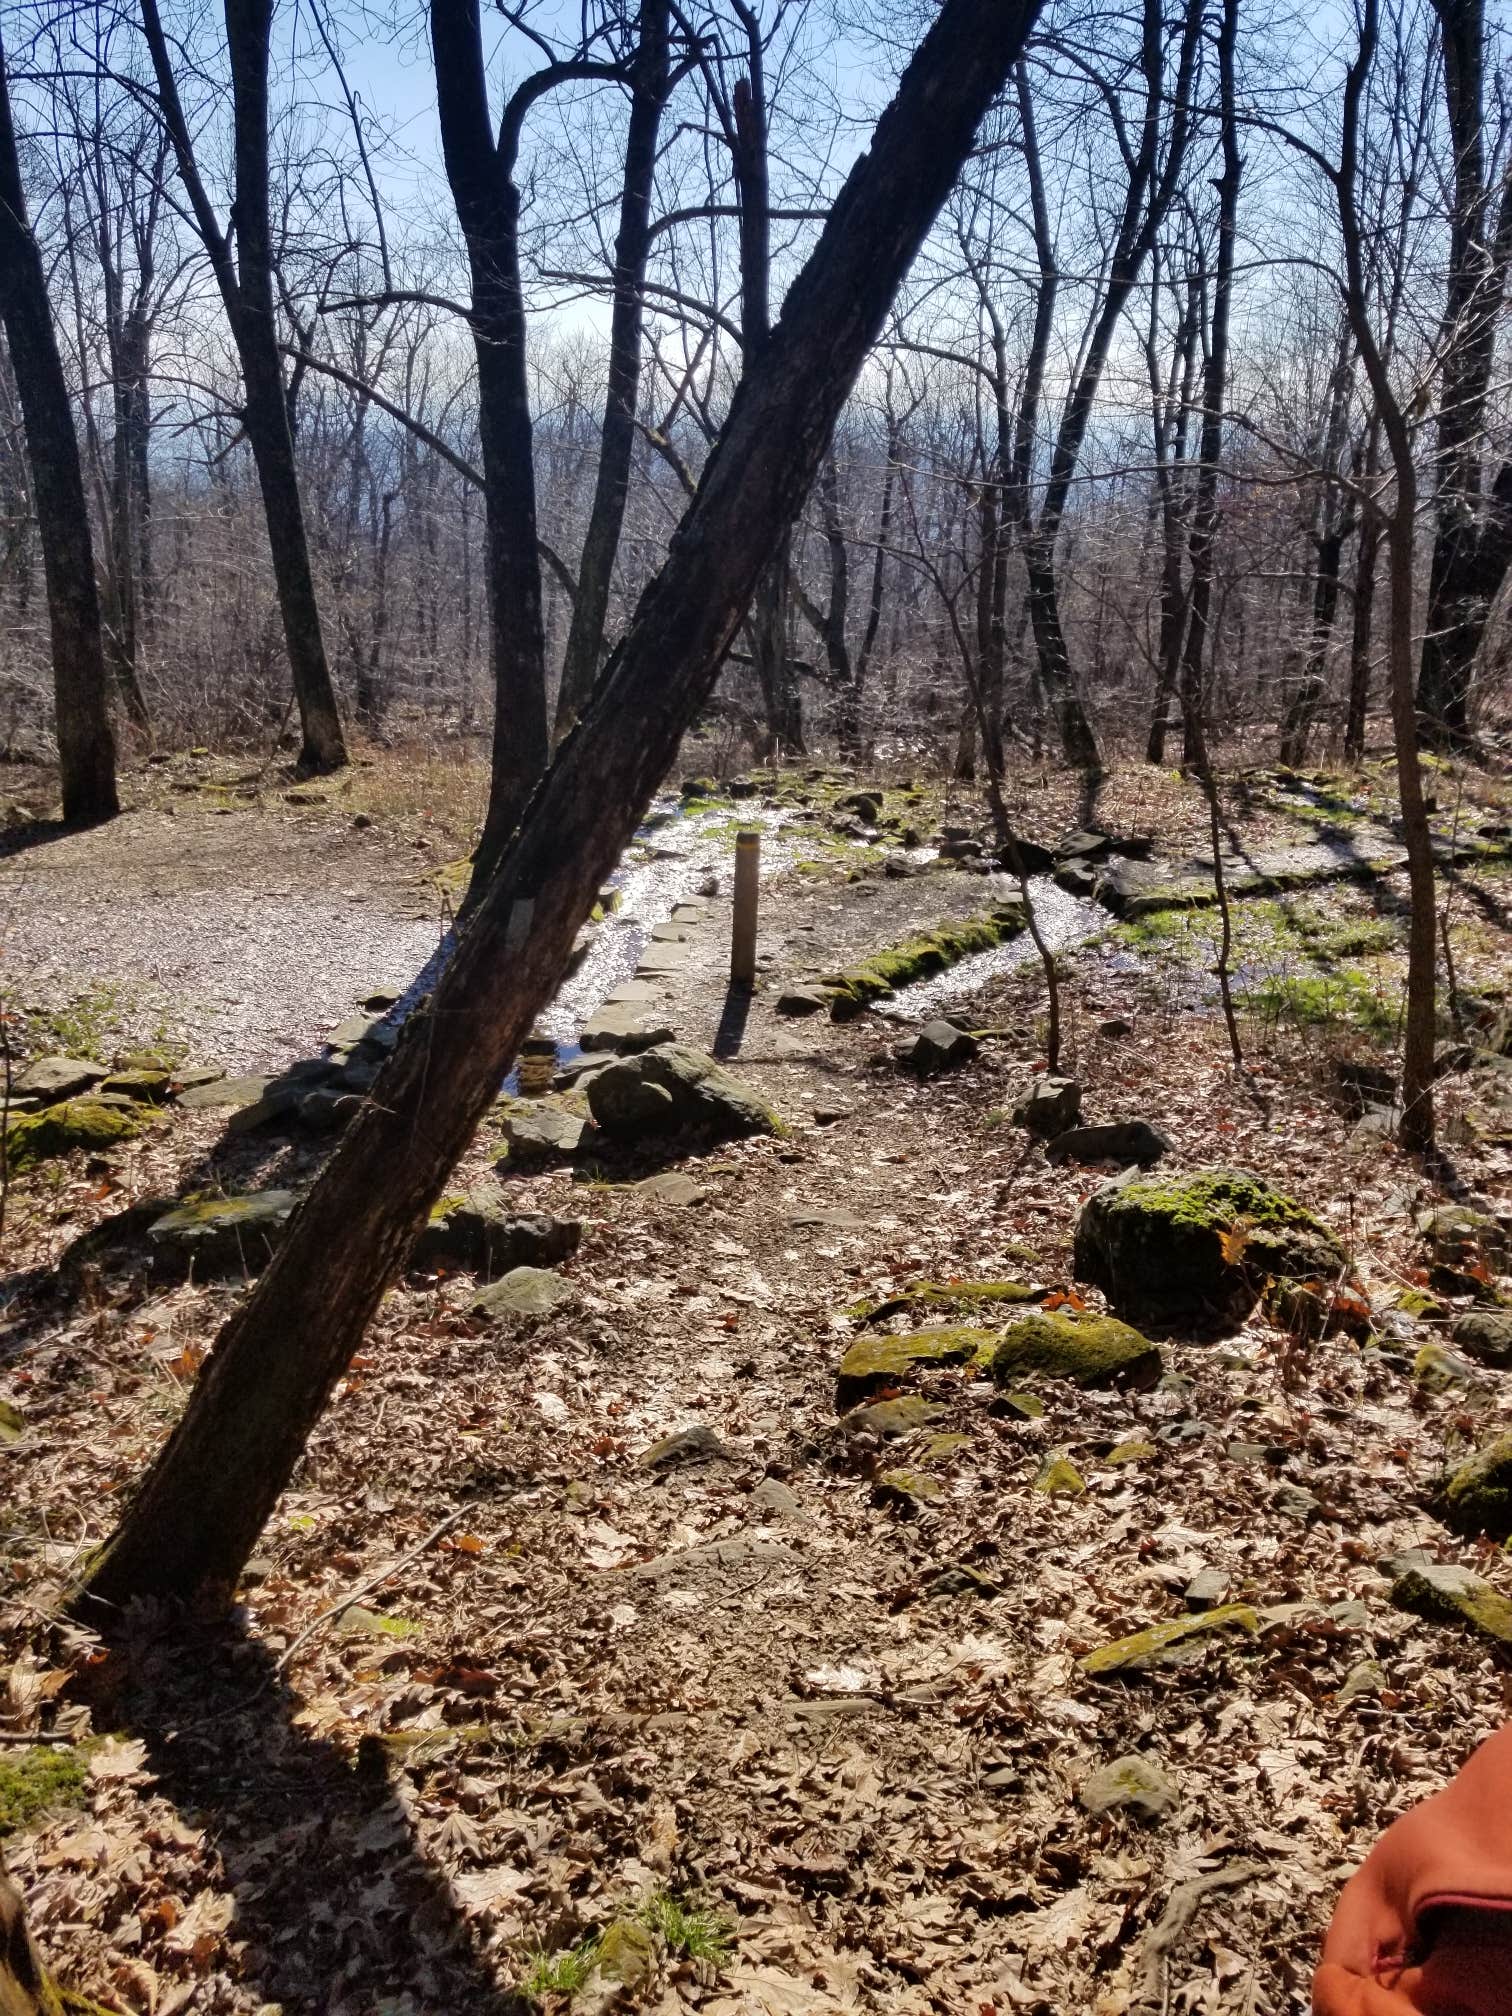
(1063, 920)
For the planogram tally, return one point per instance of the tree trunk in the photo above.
(24, 1987)
(86, 744)
(1309, 693)
(202, 1505)
(1359, 640)
(649, 82)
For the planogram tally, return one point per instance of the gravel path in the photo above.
(243, 935)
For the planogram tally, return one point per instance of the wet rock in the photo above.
(1192, 1254)
(220, 1235)
(1144, 1649)
(1446, 1594)
(1058, 1477)
(49, 1079)
(889, 1420)
(698, 1444)
(1048, 1106)
(939, 1046)
(672, 1087)
(92, 1124)
(523, 1291)
(1484, 1335)
(802, 1001)
(478, 1231)
(1125, 1141)
(872, 1360)
(539, 1133)
(1133, 1784)
(1478, 1497)
(1088, 1350)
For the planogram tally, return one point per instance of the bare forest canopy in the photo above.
(348, 368)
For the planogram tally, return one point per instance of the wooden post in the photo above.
(743, 930)
(536, 1067)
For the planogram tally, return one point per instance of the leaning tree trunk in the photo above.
(24, 1987)
(649, 80)
(275, 1364)
(86, 745)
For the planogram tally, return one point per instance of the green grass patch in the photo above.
(693, 1930)
(1324, 1001)
(560, 1973)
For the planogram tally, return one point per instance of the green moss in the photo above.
(1360, 941)
(1135, 1450)
(1215, 1200)
(1145, 1648)
(1478, 1497)
(872, 1360)
(1029, 1405)
(1418, 1302)
(1447, 1596)
(37, 1779)
(940, 1448)
(910, 1484)
(883, 972)
(1089, 1350)
(1326, 1000)
(961, 1295)
(82, 1123)
(1058, 1477)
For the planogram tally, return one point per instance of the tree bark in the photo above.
(649, 83)
(202, 1505)
(86, 743)
(25, 1989)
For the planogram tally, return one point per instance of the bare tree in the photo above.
(86, 744)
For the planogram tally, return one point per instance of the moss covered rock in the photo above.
(883, 972)
(1089, 1350)
(875, 1361)
(1058, 1477)
(1478, 1497)
(478, 1231)
(891, 1419)
(37, 1779)
(219, 1235)
(1447, 1594)
(1440, 1370)
(1192, 1254)
(1142, 1649)
(85, 1123)
(965, 1296)
(1484, 1335)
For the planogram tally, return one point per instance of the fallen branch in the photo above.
(1178, 1915)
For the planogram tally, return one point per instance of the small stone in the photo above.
(1293, 1501)
(357, 1622)
(327, 1111)
(1130, 1142)
(523, 1291)
(151, 1085)
(1207, 1587)
(1478, 1497)
(1004, 1780)
(1368, 1677)
(1091, 1351)
(802, 1001)
(959, 1578)
(1058, 1477)
(1447, 1594)
(1135, 1450)
(772, 1497)
(891, 1419)
(1048, 1106)
(1134, 1784)
(1484, 1335)
(1114, 1027)
(626, 1953)
(49, 1079)
(1029, 1405)
(672, 1186)
(827, 1116)
(671, 1087)
(910, 1484)
(698, 1444)
(1440, 1370)
(939, 1046)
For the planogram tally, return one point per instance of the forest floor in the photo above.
(796, 1725)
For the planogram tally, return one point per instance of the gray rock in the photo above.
(671, 1087)
(326, 1110)
(1114, 1027)
(802, 1001)
(672, 1186)
(1365, 1678)
(542, 1133)
(773, 1498)
(1048, 1106)
(523, 1291)
(49, 1079)
(1295, 1501)
(224, 1092)
(1208, 1586)
(478, 1231)
(1086, 845)
(1127, 1141)
(193, 1076)
(1484, 1335)
(217, 1235)
(1134, 1784)
(939, 1046)
(698, 1444)
(959, 1578)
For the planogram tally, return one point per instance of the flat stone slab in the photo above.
(49, 1079)
(523, 1291)
(660, 960)
(624, 1026)
(215, 1234)
(225, 1092)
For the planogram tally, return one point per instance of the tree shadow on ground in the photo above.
(22, 839)
(338, 1911)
